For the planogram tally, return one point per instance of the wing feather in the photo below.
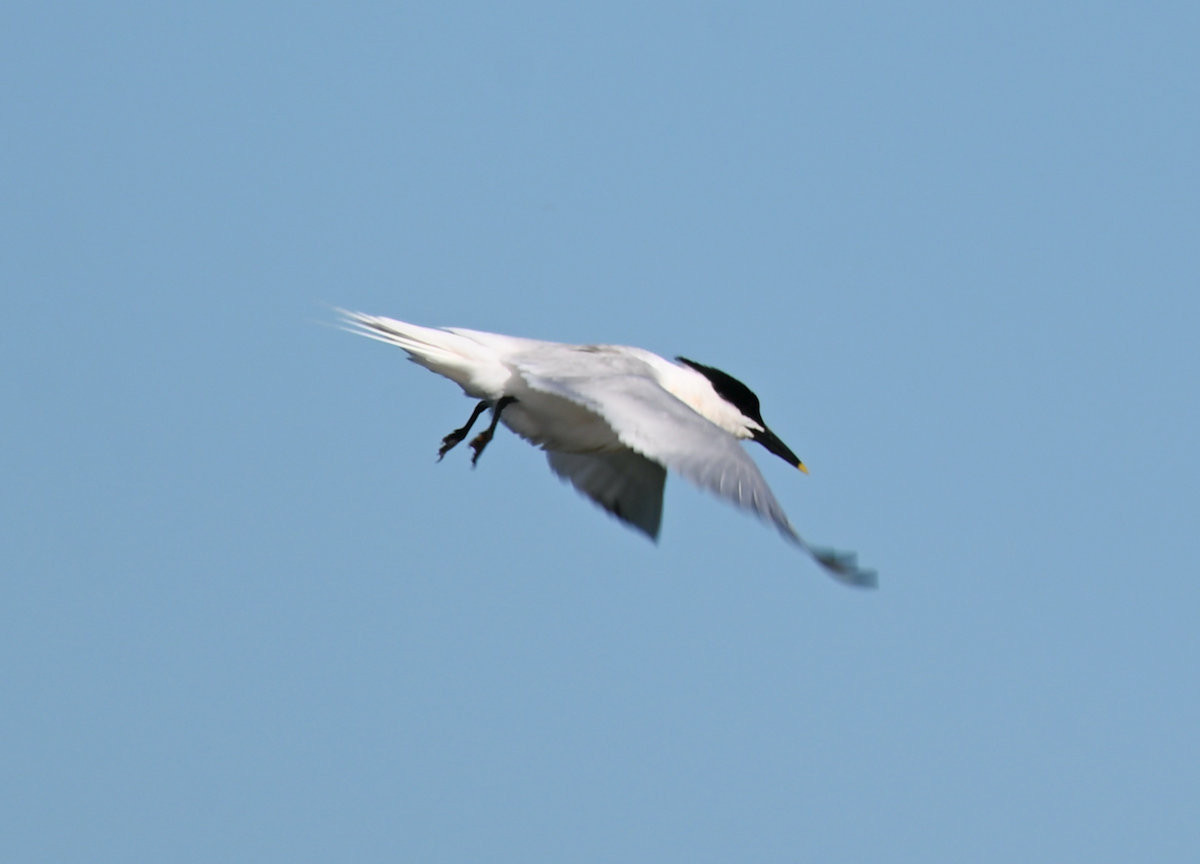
(625, 483)
(652, 422)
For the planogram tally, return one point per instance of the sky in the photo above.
(245, 615)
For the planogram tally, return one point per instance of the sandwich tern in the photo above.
(612, 420)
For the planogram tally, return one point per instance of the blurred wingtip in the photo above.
(843, 566)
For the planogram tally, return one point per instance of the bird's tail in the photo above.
(474, 367)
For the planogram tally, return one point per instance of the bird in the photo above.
(613, 420)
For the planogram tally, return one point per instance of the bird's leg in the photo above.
(452, 440)
(481, 440)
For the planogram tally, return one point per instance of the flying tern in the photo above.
(612, 420)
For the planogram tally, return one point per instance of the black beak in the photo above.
(768, 439)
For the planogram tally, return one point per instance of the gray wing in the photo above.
(652, 422)
(625, 483)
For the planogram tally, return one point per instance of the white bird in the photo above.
(612, 420)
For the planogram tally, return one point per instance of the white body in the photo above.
(612, 419)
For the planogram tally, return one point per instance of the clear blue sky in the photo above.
(244, 616)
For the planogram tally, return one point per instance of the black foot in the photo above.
(454, 438)
(484, 438)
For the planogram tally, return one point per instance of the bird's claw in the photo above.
(478, 443)
(450, 442)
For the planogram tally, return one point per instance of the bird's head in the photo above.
(742, 398)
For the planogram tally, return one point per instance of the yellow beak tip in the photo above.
(802, 468)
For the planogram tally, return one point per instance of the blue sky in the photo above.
(244, 615)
